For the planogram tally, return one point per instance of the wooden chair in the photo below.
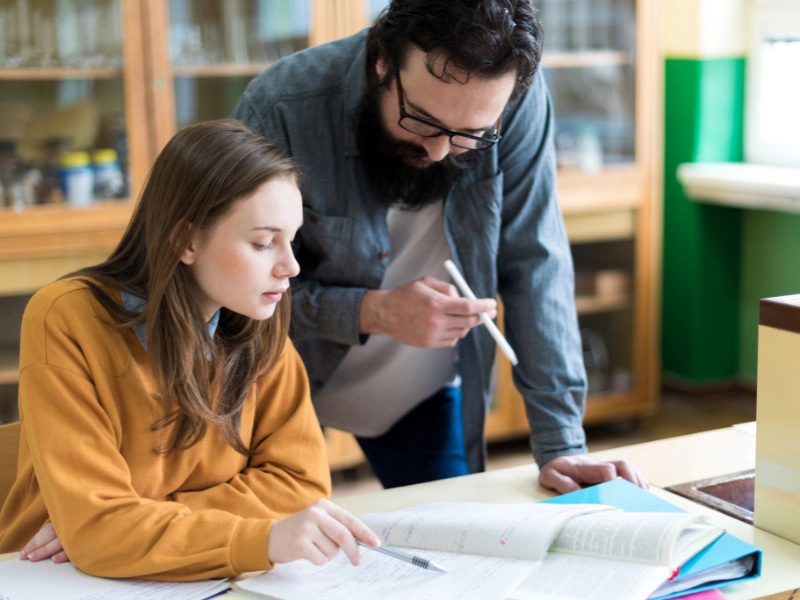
(9, 450)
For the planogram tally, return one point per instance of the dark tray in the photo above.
(731, 494)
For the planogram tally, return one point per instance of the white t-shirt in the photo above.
(378, 383)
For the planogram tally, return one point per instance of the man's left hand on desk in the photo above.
(566, 473)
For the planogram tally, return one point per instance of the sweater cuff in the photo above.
(249, 546)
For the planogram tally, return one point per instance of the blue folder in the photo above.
(628, 497)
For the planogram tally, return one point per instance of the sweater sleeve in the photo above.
(104, 526)
(289, 469)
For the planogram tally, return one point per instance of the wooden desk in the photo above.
(664, 462)
(690, 457)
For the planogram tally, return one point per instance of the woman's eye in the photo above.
(262, 247)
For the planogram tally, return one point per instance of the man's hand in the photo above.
(44, 545)
(427, 313)
(316, 534)
(566, 473)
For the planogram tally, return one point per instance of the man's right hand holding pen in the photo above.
(426, 312)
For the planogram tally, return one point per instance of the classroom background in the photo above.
(678, 147)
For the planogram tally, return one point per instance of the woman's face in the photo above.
(244, 261)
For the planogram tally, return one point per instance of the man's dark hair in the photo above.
(485, 38)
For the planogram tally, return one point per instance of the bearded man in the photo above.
(429, 137)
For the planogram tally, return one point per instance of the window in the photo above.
(773, 94)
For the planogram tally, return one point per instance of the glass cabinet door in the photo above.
(66, 90)
(203, 53)
(589, 65)
(217, 46)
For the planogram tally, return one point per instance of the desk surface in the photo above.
(664, 462)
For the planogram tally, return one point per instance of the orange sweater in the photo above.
(87, 459)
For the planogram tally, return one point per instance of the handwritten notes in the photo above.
(384, 577)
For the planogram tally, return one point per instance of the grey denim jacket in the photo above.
(502, 223)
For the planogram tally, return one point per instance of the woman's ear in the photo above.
(189, 254)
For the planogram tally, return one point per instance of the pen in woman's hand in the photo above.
(417, 561)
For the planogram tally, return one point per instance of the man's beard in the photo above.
(390, 177)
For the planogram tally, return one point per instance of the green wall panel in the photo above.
(770, 267)
(702, 243)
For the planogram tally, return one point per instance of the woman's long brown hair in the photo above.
(194, 182)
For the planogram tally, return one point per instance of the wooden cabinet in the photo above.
(183, 61)
(164, 64)
(602, 61)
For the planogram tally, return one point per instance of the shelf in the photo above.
(221, 70)
(590, 305)
(41, 243)
(615, 187)
(9, 366)
(57, 73)
(589, 58)
(600, 227)
(56, 230)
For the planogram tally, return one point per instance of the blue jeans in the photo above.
(427, 444)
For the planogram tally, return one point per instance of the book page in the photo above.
(640, 537)
(26, 580)
(568, 577)
(523, 531)
(693, 539)
(385, 578)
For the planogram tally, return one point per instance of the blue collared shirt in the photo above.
(135, 304)
(502, 223)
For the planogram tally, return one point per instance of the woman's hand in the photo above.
(44, 545)
(316, 534)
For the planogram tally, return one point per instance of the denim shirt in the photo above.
(135, 304)
(502, 222)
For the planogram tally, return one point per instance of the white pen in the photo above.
(417, 561)
(493, 330)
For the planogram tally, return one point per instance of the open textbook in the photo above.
(501, 551)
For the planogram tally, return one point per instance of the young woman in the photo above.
(167, 427)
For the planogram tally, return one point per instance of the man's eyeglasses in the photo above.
(427, 129)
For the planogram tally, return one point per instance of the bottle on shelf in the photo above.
(50, 191)
(108, 181)
(589, 150)
(10, 175)
(20, 182)
(77, 178)
(112, 137)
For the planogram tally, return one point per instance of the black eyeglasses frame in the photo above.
(489, 142)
